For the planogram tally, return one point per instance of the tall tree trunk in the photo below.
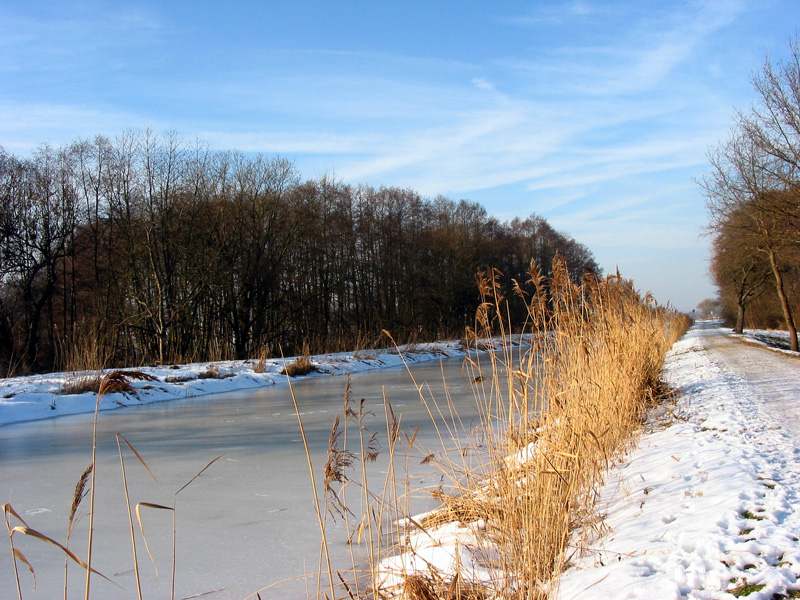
(6, 345)
(787, 311)
(739, 317)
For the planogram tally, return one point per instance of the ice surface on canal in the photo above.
(249, 521)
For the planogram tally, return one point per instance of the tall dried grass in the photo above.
(553, 417)
(84, 356)
(563, 412)
(300, 366)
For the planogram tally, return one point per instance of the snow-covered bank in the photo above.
(702, 508)
(41, 397)
(775, 339)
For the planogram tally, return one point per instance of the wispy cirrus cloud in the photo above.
(586, 112)
(73, 36)
(552, 14)
(27, 125)
(516, 132)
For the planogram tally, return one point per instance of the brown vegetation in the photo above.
(213, 372)
(302, 365)
(114, 382)
(753, 196)
(552, 418)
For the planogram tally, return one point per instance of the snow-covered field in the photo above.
(42, 397)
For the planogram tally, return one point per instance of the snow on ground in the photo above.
(771, 338)
(42, 397)
(706, 505)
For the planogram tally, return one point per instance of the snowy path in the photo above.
(707, 507)
(775, 376)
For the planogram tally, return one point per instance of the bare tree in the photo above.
(148, 249)
(739, 270)
(754, 185)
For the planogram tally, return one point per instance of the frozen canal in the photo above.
(248, 522)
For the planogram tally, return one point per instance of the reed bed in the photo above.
(299, 367)
(518, 491)
(560, 415)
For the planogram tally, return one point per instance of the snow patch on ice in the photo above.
(40, 396)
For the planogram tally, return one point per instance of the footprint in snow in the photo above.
(668, 518)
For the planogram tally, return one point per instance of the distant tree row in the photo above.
(753, 196)
(147, 250)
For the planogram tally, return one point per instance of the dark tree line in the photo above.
(753, 194)
(147, 250)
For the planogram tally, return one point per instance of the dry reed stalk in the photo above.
(174, 509)
(553, 417)
(261, 359)
(87, 348)
(24, 529)
(77, 498)
(389, 505)
(105, 384)
(588, 393)
(368, 526)
(117, 381)
(317, 507)
(84, 355)
(16, 554)
(338, 448)
(119, 437)
(365, 493)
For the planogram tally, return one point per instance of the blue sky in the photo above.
(596, 115)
